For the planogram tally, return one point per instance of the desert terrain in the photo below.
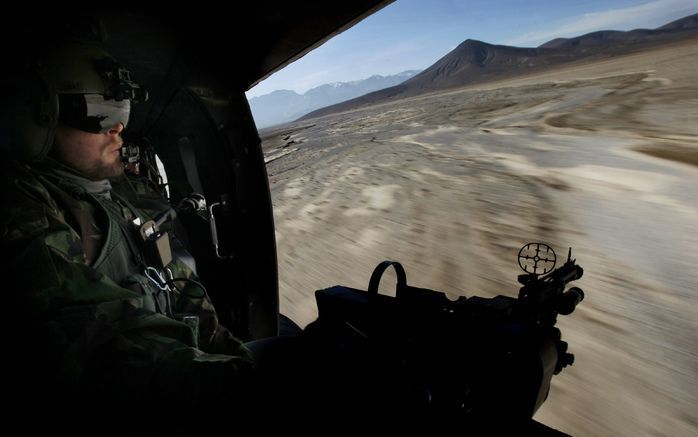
(601, 157)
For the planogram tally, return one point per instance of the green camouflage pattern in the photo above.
(84, 334)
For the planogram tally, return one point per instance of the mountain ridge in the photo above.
(474, 62)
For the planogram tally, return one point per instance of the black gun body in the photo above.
(471, 363)
(427, 364)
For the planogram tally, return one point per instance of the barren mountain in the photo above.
(682, 28)
(478, 62)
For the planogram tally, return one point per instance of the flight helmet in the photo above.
(77, 84)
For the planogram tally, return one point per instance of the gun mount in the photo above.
(470, 364)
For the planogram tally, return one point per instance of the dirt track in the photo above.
(600, 157)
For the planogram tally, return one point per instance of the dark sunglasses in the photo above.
(92, 112)
(97, 113)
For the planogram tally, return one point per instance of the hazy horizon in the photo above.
(337, 83)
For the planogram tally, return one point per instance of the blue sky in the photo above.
(413, 34)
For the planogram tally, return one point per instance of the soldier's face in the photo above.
(97, 156)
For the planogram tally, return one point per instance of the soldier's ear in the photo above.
(28, 115)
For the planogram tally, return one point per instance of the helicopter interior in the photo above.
(196, 66)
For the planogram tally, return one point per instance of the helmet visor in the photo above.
(92, 112)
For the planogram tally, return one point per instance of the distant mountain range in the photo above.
(478, 62)
(284, 105)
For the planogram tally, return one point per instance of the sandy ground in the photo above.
(598, 157)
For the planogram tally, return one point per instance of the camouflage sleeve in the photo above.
(78, 335)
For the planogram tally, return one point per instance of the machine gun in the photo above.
(473, 364)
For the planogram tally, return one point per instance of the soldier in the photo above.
(105, 318)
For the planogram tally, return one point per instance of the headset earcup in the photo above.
(28, 117)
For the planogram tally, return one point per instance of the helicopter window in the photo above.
(562, 132)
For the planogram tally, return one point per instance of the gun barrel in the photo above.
(572, 274)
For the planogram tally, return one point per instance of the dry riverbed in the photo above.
(599, 157)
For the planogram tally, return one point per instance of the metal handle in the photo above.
(214, 230)
(374, 282)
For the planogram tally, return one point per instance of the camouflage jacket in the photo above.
(89, 325)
